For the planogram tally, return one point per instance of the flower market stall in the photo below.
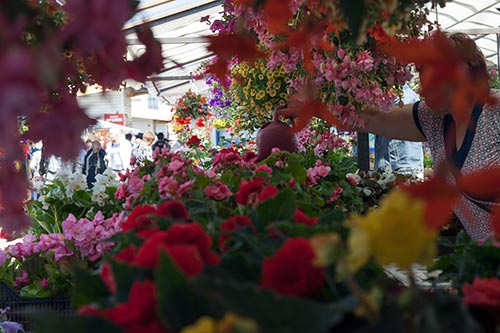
(236, 237)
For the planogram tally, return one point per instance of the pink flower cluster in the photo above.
(330, 142)
(39, 81)
(320, 170)
(90, 237)
(217, 191)
(31, 246)
(346, 80)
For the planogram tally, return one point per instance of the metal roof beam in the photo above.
(172, 17)
(481, 31)
(169, 41)
(472, 15)
(171, 78)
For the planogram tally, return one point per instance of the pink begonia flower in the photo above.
(275, 150)
(218, 191)
(121, 191)
(135, 185)
(353, 179)
(167, 187)
(61, 252)
(185, 187)
(264, 169)
(44, 283)
(22, 279)
(176, 166)
(336, 194)
(68, 226)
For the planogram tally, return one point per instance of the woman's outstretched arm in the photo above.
(397, 124)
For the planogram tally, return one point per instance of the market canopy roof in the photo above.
(176, 24)
(478, 18)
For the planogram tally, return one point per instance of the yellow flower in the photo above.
(268, 106)
(393, 233)
(230, 323)
(203, 325)
(370, 302)
(261, 77)
(277, 85)
(244, 67)
(326, 247)
(260, 95)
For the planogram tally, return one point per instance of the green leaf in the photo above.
(281, 207)
(178, 304)
(298, 172)
(82, 198)
(88, 288)
(274, 313)
(53, 323)
(34, 290)
(125, 276)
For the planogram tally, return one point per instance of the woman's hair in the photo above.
(470, 53)
(149, 137)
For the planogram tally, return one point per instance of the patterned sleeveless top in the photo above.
(480, 149)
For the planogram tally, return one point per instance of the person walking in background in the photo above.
(142, 150)
(403, 157)
(161, 143)
(119, 151)
(86, 146)
(94, 163)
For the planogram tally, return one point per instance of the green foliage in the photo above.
(275, 313)
(468, 260)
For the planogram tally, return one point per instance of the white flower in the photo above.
(367, 192)
(45, 205)
(106, 181)
(109, 173)
(99, 194)
(76, 182)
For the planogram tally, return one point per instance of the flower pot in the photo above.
(275, 134)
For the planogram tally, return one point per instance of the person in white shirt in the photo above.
(118, 151)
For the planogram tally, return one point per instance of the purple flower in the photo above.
(11, 327)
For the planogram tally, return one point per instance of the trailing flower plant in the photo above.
(257, 91)
(52, 51)
(191, 106)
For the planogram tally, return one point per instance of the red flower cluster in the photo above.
(247, 191)
(483, 293)
(233, 223)
(228, 157)
(291, 272)
(142, 219)
(268, 192)
(138, 314)
(187, 244)
(302, 218)
(193, 141)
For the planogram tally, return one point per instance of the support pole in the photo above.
(498, 57)
(363, 152)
